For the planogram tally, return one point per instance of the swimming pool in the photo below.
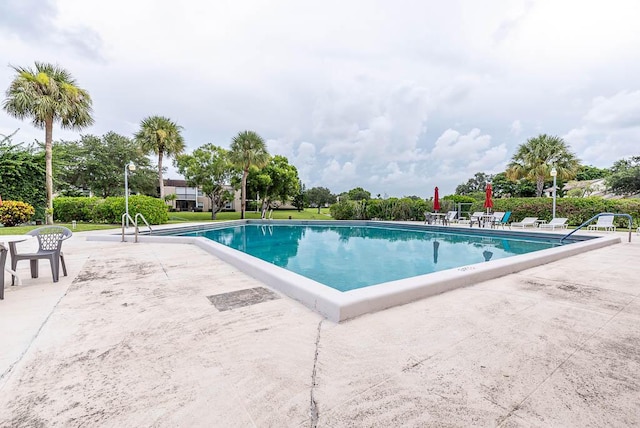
(338, 305)
(351, 257)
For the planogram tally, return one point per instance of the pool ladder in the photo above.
(134, 222)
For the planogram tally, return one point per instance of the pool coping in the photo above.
(339, 306)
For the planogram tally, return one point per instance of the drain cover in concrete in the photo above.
(241, 298)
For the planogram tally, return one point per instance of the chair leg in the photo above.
(3, 259)
(64, 267)
(34, 268)
(55, 267)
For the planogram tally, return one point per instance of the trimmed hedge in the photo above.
(109, 210)
(576, 210)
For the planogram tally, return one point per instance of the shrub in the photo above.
(67, 209)
(343, 210)
(109, 210)
(13, 213)
(154, 210)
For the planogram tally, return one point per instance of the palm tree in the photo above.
(247, 149)
(161, 136)
(534, 160)
(48, 94)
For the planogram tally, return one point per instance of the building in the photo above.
(192, 198)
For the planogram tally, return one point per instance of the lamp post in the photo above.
(130, 167)
(554, 173)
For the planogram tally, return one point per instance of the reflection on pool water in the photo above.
(351, 257)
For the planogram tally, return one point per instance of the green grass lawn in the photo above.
(185, 217)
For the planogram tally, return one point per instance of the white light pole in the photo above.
(554, 172)
(127, 168)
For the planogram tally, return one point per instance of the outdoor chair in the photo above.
(50, 240)
(559, 222)
(497, 218)
(604, 222)
(3, 259)
(451, 216)
(527, 221)
(505, 219)
(476, 217)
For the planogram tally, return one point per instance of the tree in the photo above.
(358, 194)
(505, 188)
(300, 200)
(534, 160)
(160, 136)
(276, 181)
(320, 196)
(478, 183)
(48, 94)
(625, 176)
(98, 163)
(22, 174)
(247, 149)
(209, 167)
(588, 172)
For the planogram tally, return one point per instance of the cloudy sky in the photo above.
(393, 96)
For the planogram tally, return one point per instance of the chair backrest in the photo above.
(477, 214)
(451, 215)
(497, 216)
(506, 216)
(50, 237)
(558, 221)
(529, 220)
(605, 220)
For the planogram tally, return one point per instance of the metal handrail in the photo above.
(145, 222)
(126, 216)
(595, 217)
(134, 222)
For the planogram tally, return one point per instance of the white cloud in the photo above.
(609, 131)
(390, 97)
(516, 127)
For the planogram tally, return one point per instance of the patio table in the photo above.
(11, 239)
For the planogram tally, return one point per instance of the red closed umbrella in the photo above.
(436, 201)
(488, 202)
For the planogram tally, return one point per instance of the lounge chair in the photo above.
(451, 216)
(50, 240)
(559, 222)
(527, 221)
(497, 218)
(604, 222)
(476, 217)
(505, 219)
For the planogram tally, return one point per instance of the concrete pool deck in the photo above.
(130, 338)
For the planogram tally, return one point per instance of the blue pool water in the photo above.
(351, 257)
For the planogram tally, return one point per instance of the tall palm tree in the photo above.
(48, 94)
(535, 159)
(247, 149)
(161, 136)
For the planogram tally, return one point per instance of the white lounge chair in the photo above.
(451, 217)
(559, 222)
(497, 218)
(527, 221)
(604, 222)
(475, 218)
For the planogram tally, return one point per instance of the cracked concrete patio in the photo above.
(130, 338)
